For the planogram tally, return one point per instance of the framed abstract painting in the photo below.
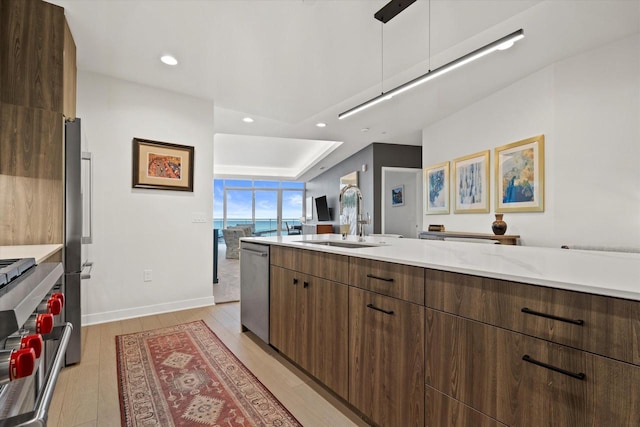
(471, 183)
(520, 176)
(436, 189)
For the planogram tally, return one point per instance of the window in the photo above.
(266, 205)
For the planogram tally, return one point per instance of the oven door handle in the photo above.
(40, 412)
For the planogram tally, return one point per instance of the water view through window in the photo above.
(269, 207)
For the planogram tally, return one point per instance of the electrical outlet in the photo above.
(147, 275)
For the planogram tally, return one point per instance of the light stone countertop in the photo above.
(613, 274)
(39, 252)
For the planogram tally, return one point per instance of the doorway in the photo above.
(401, 215)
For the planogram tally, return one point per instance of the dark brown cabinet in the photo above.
(602, 325)
(524, 381)
(482, 353)
(282, 312)
(401, 281)
(308, 324)
(386, 358)
(443, 411)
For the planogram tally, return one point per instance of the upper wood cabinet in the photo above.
(37, 64)
(70, 75)
(31, 54)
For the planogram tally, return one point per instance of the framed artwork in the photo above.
(436, 189)
(397, 196)
(309, 208)
(162, 165)
(471, 183)
(351, 178)
(520, 176)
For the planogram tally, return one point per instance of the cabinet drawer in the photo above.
(405, 282)
(320, 264)
(443, 411)
(483, 366)
(602, 325)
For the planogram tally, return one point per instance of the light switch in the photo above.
(199, 217)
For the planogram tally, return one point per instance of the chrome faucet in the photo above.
(361, 221)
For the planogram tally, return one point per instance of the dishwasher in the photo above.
(254, 289)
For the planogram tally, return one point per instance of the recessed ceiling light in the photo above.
(321, 125)
(364, 130)
(247, 120)
(169, 60)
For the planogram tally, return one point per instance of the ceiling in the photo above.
(290, 64)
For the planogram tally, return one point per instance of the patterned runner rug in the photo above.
(185, 376)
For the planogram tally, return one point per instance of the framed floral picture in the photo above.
(162, 165)
(520, 176)
(471, 183)
(436, 189)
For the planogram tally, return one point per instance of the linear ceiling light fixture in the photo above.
(500, 44)
(391, 9)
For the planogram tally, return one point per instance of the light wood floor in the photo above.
(228, 287)
(87, 393)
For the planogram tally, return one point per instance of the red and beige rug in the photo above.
(185, 376)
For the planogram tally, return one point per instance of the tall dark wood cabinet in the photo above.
(386, 336)
(308, 320)
(386, 358)
(32, 100)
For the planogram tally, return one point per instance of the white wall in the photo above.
(588, 108)
(137, 229)
(405, 219)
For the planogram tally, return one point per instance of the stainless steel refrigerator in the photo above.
(72, 258)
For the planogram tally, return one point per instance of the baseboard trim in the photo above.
(129, 313)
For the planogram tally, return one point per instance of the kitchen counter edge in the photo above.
(613, 274)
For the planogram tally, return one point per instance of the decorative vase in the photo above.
(498, 226)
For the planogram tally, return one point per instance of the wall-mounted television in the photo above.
(322, 209)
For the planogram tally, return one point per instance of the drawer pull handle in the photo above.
(295, 281)
(380, 309)
(386, 279)
(551, 316)
(305, 284)
(579, 376)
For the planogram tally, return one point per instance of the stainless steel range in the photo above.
(33, 339)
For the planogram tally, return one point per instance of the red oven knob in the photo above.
(34, 342)
(44, 323)
(39, 323)
(60, 296)
(54, 306)
(16, 342)
(21, 363)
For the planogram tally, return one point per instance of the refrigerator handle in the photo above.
(87, 197)
(89, 265)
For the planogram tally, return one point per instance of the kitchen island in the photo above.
(419, 332)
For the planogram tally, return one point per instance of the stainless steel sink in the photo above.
(340, 243)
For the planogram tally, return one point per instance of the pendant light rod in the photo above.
(500, 44)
